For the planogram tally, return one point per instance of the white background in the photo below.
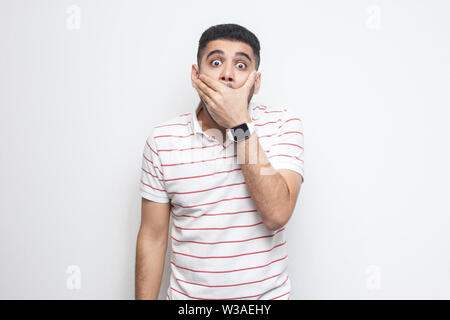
(78, 97)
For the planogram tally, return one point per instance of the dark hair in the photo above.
(231, 31)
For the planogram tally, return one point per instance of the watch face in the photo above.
(241, 132)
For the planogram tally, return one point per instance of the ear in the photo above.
(257, 82)
(194, 74)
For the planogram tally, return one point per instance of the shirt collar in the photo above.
(195, 123)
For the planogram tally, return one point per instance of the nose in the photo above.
(227, 76)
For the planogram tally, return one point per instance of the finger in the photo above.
(206, 100)
(211, 83)
(205, 89)
(200, 91)
(197, 87)
(250, 80)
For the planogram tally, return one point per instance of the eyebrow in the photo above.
(239, 53)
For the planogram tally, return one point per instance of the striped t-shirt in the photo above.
(220, 247)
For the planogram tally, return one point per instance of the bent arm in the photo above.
(275, 192)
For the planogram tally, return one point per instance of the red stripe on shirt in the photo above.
(260, 108)
(214, 145)
(204, 204)
(267, 135)
(172, 136)
(204, 190)
(290, 132)
(152, 187)
(285, 155)
(224, 257)
(228, 271)
(230, 241)
(154, 176)
(182, 163)
(247, 297)
(263, 124)
(227, 285)
(151, 148)
(211, 214)
(280, 296)
(153, 164)
(214, 299)
(203, 175)
(173, 124)
(221, 228)
(291, 144)
(274, 111)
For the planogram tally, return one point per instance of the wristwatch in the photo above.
(241, 132)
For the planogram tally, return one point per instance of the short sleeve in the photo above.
(152, 186)
(287, 148)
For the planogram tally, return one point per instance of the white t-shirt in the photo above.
(220, 247)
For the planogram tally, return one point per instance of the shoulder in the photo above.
(167, 132)
(179, 124)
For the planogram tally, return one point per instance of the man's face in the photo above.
(229, 62)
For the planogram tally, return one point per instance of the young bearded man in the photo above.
(229, 173)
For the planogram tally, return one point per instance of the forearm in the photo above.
(267, 187)
(150, 256)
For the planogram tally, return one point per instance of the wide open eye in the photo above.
(242, 64)
(214, 62)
